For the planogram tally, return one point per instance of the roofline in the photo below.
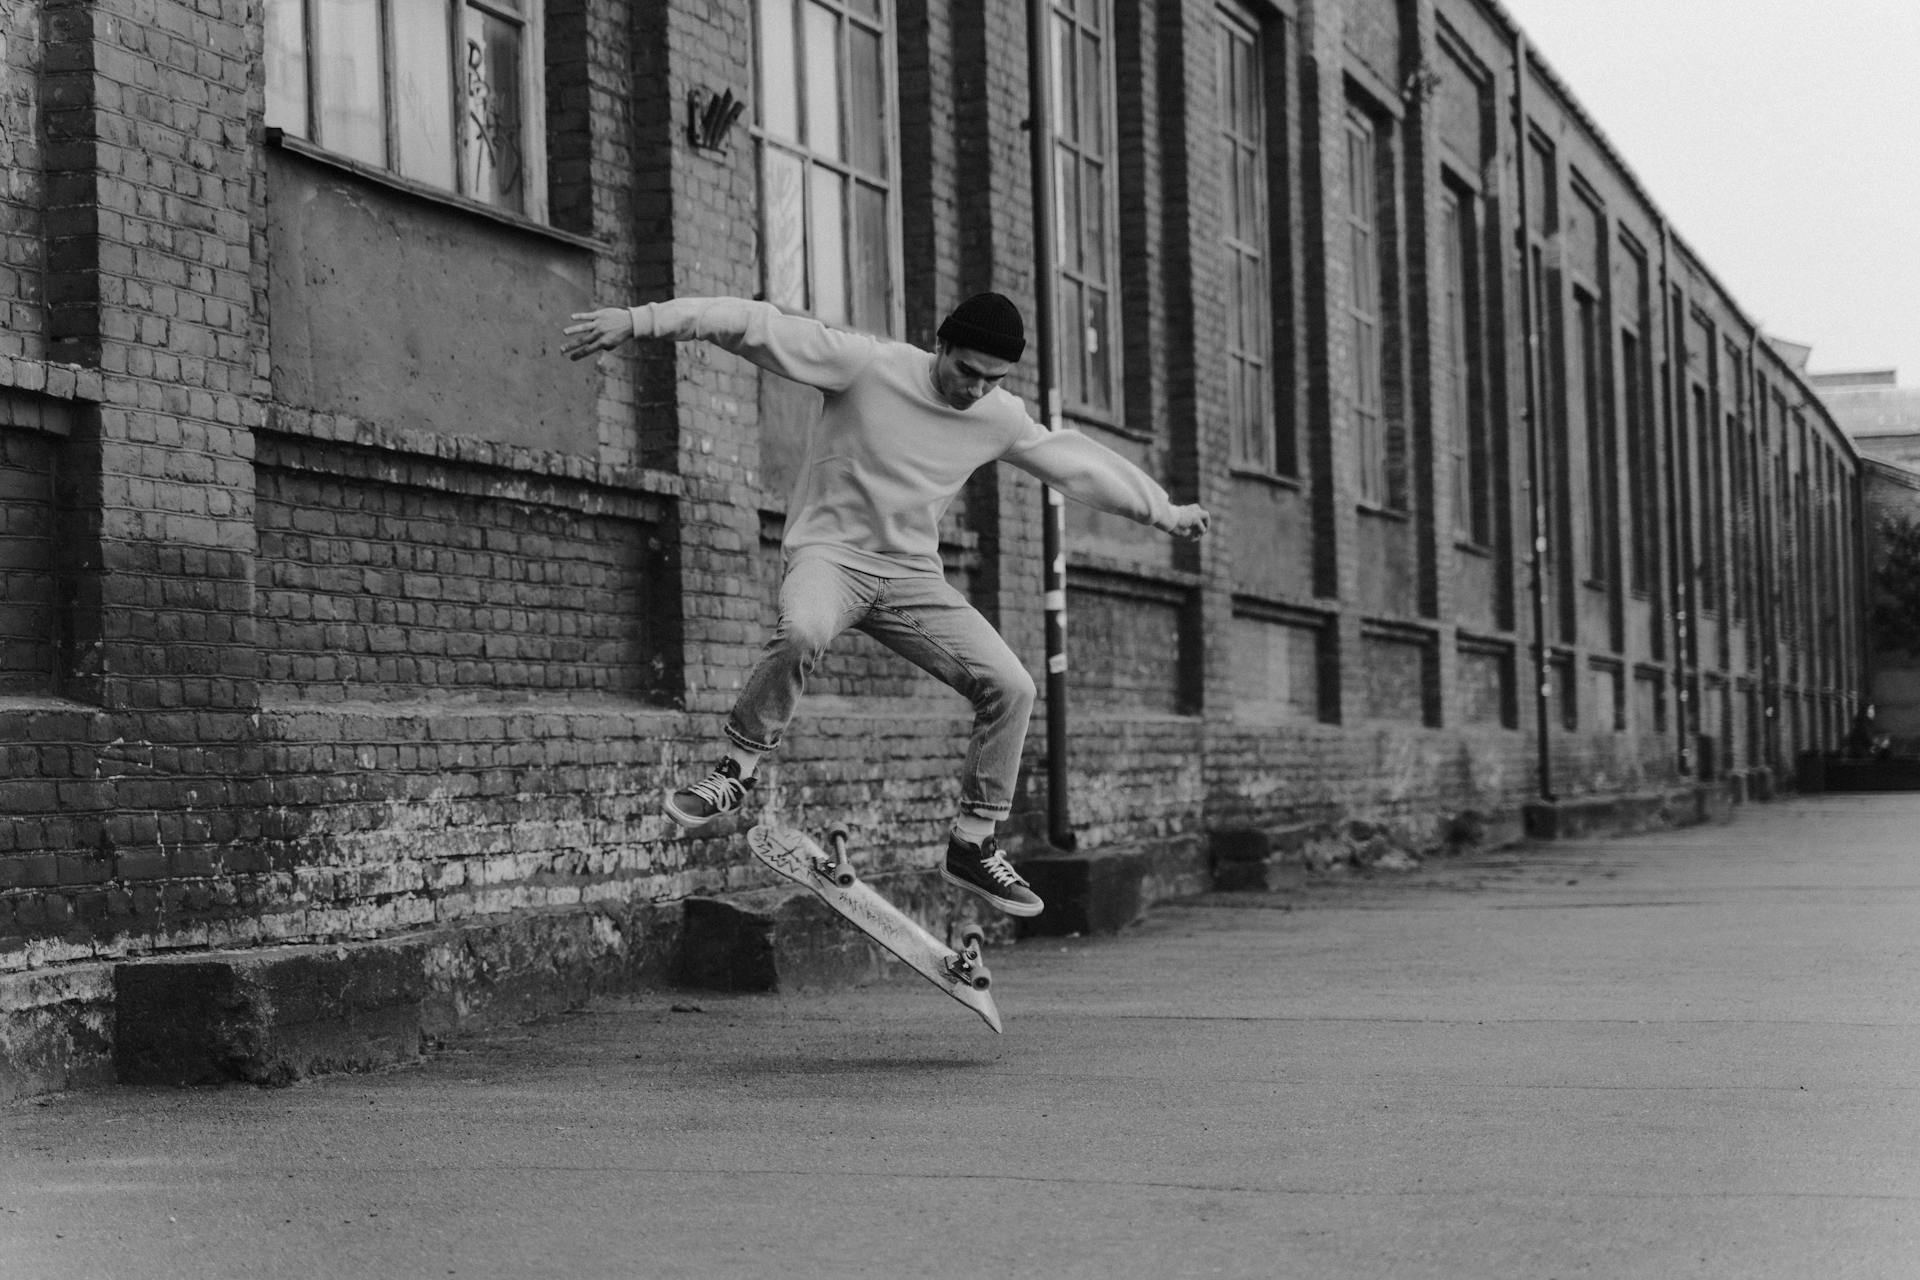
(1574, 107)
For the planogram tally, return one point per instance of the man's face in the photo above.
(963, 376)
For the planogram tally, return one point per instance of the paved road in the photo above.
(1695, 1054)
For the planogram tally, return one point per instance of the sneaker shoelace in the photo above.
(1001, 870)
(719, 791)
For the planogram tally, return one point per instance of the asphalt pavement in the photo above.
(1688, 1054)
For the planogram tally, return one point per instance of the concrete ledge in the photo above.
(1579, 816)
(268, 1017)
(56, 1030)
(1105, 890)
(275, 1014)
(1256, 860)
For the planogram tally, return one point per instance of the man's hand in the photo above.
(1190, 521)
(601, 330)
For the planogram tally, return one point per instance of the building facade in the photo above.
(345, 618)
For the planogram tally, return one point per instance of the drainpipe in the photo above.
(1761, 487)
(1680, 544)
(1536, 473)
(1053, 513)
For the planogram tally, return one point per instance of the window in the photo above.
(1632, 300)
(1246, 231)
(1465, 353)
(1370, 255)
(1089, 336)
(445, 92)
(1707, 556)
(1586, 377)
(826, 132)
(1740, 543)
(1643, 479)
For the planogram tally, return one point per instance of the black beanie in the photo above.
(986, 323)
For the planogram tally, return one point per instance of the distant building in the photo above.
(1883, 420)
(1881, 417)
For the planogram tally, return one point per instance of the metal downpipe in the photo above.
(1536, 476)
(1053, 515)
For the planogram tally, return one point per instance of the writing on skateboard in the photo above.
(962, 974)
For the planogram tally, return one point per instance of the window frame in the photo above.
(1465, 292)
(880, 18)
(1588, 353)
(1376, 390)
(296, 110)
(1260, 441)
(1086, 20)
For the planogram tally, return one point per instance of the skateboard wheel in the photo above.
(969, 972)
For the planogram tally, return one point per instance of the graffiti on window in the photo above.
(493, 120)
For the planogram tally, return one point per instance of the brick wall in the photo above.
(283, 662)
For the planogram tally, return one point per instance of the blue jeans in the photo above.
(925, 621)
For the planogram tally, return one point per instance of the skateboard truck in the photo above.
(966, 964)
(836, 866)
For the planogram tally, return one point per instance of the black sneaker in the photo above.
(983, 871)
(722, 791)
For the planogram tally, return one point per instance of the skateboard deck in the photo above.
(798, 857)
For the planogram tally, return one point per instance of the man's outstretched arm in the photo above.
(1089, 472)
(792, 346)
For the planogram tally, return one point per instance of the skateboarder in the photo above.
(899, 433)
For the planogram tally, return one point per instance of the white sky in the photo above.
(1782, 140)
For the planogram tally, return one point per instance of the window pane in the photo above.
(1248, 85)
(828, 244)
(867, 71)
(1254, 300)
(351, 117)
(786, 247)
(1067, 210)
(1094, 210)
(423, 91)
(1099, 351)
(495, 163)
(1093, 94)
(1259, 436)
(872, 257)
(779, 91)
(1064, 97)
(287, 67)
(1070, 328)
(823, 81)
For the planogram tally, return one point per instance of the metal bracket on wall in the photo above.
(710, 118)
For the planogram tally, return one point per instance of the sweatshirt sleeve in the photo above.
(792, 346)
(1088, 471)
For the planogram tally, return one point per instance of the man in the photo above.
(900, 431)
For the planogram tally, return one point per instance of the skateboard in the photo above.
(962, 974)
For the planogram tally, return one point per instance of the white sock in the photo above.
(972, 828)
(747, 760)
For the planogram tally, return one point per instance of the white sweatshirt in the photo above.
(887, 455)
